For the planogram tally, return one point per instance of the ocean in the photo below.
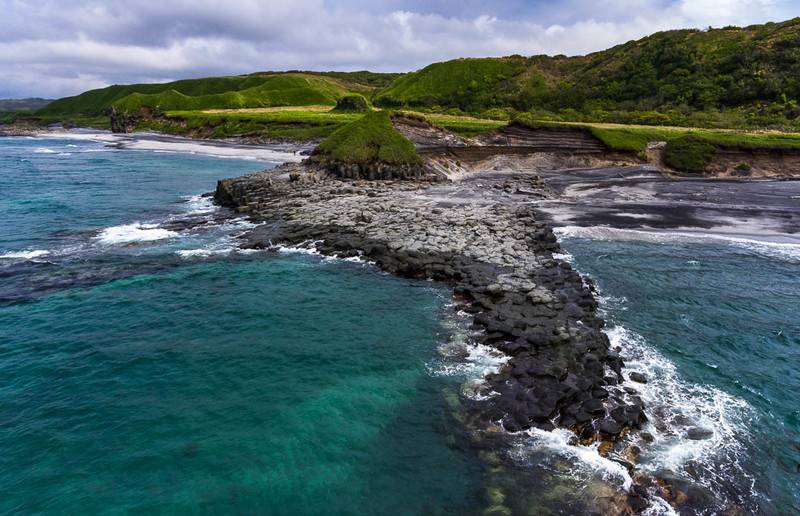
(149, 365)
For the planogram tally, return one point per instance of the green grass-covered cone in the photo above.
(369, 139)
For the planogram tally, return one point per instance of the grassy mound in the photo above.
(688, 154)
(353, 103)
(369, 139)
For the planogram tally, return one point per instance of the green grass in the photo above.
(372, 138)
(688, 154)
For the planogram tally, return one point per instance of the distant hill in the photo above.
(246, 91)
(685, 70)
(30, 104)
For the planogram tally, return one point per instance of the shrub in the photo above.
(354, 103)
(688, 154)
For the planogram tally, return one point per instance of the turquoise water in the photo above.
(715, 325)
(148, 367)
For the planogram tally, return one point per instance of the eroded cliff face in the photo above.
(755, 163)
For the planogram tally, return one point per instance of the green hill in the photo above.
(274, 91)
(467, 83)
(371, 138)
(755, 70)
(256, 90)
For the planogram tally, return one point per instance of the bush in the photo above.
(688, 154)
(354, 103)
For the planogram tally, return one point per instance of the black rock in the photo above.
(637, 377)
(594, 407)
(609, 427)
(697, 434)
(510, 425)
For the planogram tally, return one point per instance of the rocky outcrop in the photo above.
(425, 135)
(380, 171)
(484, 238)
(572, 147)
(122, 121)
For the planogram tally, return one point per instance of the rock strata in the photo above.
(483, 237)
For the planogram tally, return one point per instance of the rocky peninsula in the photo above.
(481, 234)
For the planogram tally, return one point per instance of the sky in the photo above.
(52, 48)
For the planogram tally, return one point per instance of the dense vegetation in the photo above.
(352, 103)
(371, 138)
(730, 77)
(688, 154)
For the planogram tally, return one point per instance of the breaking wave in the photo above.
(783, 250)
(131, 233)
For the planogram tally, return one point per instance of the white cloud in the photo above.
(57, 48)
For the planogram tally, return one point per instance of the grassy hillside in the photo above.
(256, 90)
(275, 90)
(720, 77)
(467, 83)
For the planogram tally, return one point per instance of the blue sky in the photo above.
(54, 48)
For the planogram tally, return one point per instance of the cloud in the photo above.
(50, 48)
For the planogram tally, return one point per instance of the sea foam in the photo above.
(25, 255)
(136, 232)
(783, 250)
